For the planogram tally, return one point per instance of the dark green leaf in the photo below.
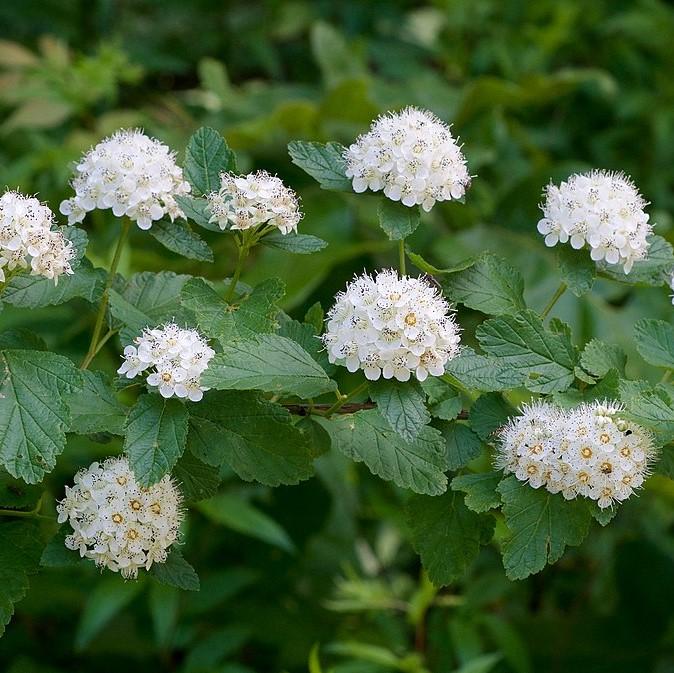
(176, 572)
(488, 413)
(483, 373)
(446, 534)
(655, 342)
(463, 445)
(577, 269)
(156, 435)
(196, 210)
(480, 489)
(300, 244)
(402, 405)
(196, 479)
(654, 270)
(94, 406)
(207, 155)
(599, 357)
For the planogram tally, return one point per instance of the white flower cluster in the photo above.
(412, 156)
(26, 235)
(602, 210)
(246, 201)
(117, 523)
(131, 173)
(590, 450)
(392, 327)
(178, 357)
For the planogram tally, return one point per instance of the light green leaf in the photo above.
(599, 357)
(654, 270)
(255, 437)
(541, 524)
(257, 311)
(176, 572)
(444, 401)
(397, 220)
(578, 270)
(489, 285)
(446, 534)
(522, 343)
(463, 445)
(34, 416)
(20, 549)
(402, 405)
(315, 317)
(215, 317)
(483, 373)
(655, 342)
(651, 407)
(366, 437)
(334, 56)
(196, 210)
(300, 244)
(156, 435)
(323, 162)
(109, 597)
(94, 406)
(241, 516)
(207, 155)
(480, 490)
(271, 363)
(179, 238)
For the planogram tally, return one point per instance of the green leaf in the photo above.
(108, 598)
(94, 406)
(599, 357)
(257, 312)
(483, 373)
(323, 162)
(271, 363)
(402, 405)
(463, 445)
(20, 338)
(489, 285)
(577, 269)
(654, 270)
(489, 413)
(215, 317)
(446, 534)
(541, 524)
(156, 435)
(181, 239)
(241, 516)
(196, 210)
(16, 494)
(306, 336)
(34, 416)
(397, 220)
(255, 437)
(444, 401)
(334, 56)
(655, 342)
(522, 343)
(197, 480)
(300, 244)
(480, 490)
(176, 572)
(20, 549)
(315, 317)
(366, 437)
(651, 407)
(57, 555)
(207, 155)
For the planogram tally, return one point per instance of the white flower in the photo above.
(602, 210)
(392, 327)
(117, 523)
(132, 174)
(671, 286)
(412, 156)
(178, 357)
(590, 450)
(246, 201)
(27, 238)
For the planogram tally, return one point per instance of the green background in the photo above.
(535, 90)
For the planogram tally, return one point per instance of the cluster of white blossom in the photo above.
(246, 201)
(590, 450)
(412, 156)
(27, 237)
(132, 174)
(178, 357)
(602, 210)
(117, 523)
(392, 327)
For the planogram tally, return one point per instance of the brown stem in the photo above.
(348, 408)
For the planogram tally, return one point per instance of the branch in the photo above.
(349, 408)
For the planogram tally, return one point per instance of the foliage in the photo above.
(334, 525)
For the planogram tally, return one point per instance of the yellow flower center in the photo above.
(586, 452)
(606, 468)
(532, 469)
(117, 518)
(604, 438)
(155, 508)
(121, 480)
(410, 319)
(132, 534)
(135, 505)
(166, 377)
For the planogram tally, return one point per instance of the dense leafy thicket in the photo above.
(335, 523)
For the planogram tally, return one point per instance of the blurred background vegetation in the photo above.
(536, 90)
